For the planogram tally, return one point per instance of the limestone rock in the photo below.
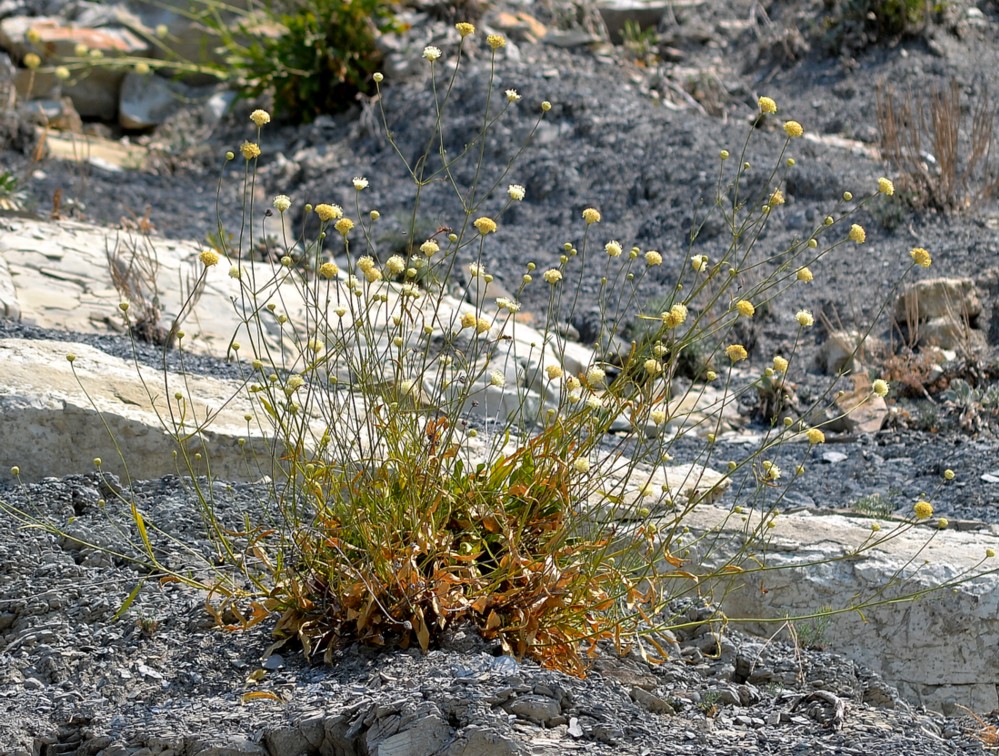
(904, 642)
(941, 312)
(50, 427)
(858, 409)
(845, 351)
(938, 297)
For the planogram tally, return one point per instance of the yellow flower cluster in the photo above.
(653, 258)
(250, 150)
(430, 247)
(923, 509)
(745, 308)
(465, 29)
(780, 364)
(921, 257)
(767, 105)
(699, 262)
(675, 317)
(736, 352)
(591, 215)
(327, 213)
(329, 270)
(209, 258)
(344, 226)
(496, 41)
(885, 186)
(804, 275)
(805, 319)
(552, 276)
(281, 202)
(485, 225)
(857, 234)
(815, 436)
(880, 387)
(613, 249)
(793, 129)
(260, 117)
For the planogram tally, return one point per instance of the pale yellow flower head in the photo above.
(395, 265)
(653, 258)
(613, 249)
(468, 320)
(260, 117)
(921, 257)
(344, 226)
(857, 234)
(554, 372)
(745, 308)
(360, 183)
(465, 29)
(250, 150)
(658, 417)
(767, 105)
(815, 436)
(516, 192)
(430, 247)
(431, 53)
(676, 316)
(328, 270)
(32, 61)
(699, 263)
(923, 510)
(552, 276)
(880, 387)
(581, 465)
(281, 202)
(804, 275)
(485, 225)
(512, 96)
(780, 364)
(804, 318)
(496, 41)
(591, 215)
(209, 258)
(595, 375)
(793, 129)
(327, 212)
(885, 186)
(736, 352)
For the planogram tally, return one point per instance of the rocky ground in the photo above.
(637, 137)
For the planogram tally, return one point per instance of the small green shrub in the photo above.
(313, 56)
(856, 24)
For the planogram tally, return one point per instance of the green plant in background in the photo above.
(396, 512)
(878, 504)
(813, 633)
(314, 57)
(854, 24)
(12, 198)
(311, 57)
